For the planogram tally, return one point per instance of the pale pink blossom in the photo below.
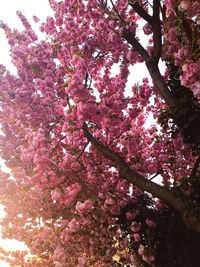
(84, 207)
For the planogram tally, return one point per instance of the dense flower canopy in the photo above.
(83, 189)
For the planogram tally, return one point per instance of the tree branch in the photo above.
(190, 214)
(130, 38)
(152, 68)
(131, 175)
(140, 11)
(157, 36)
(154, 176)
(116, 11)
(83, 150)
(160, 83)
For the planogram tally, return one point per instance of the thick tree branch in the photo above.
(152, 68)
(190, 218)
(131, 39)
(127, 173)
(160, 83)
(157, 36)
(140, 11)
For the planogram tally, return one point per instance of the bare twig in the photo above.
(83, 150)
(154, 176)
(56, 146)
(117, 137)
(68, 101)
(117, 12)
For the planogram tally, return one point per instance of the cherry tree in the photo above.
(83, 188)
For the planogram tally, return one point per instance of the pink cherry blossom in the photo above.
(84, 207)
(101, 165)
